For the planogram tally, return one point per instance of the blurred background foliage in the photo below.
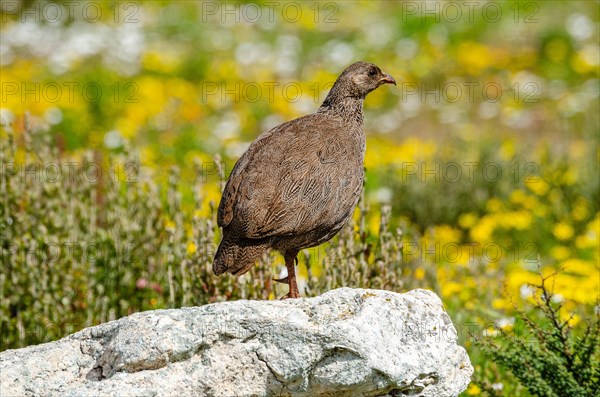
(120, 121)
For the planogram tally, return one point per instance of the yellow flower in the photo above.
(473, 390)
(450, 288)
(153, 96)
(465, 295)
(419, 273)
(576, 319)
(563, 231)
(211, 192)
(580, 211)
(169, 225)
(494, 205)
(577, 266)
(519, 220)
(190, 111)
(147, 156)
(474, 57)
(538, 186)
(490, 331)
(560, 253)
(483, 230)
(506, 323)
(507, 149)
(518, 278)
(594, 225)
(569, 177)
(409, 157)
(580, 63)
(374, 223)
(191, 248)
(500, 304)
(531, 203)
(160, 61)
(525, 200)
(467, 220)
(445, 234)
(517, 196)
(587, 240)
(579, 281)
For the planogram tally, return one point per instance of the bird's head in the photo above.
(360, 78)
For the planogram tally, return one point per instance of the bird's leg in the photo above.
(284, 280)
(290, 264)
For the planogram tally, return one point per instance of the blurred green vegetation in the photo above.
(481, 164)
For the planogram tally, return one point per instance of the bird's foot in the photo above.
(291, 295)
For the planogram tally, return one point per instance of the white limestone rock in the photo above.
(346, 342)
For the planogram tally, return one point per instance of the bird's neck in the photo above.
(339, 102)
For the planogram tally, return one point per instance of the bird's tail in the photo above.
(237, 257)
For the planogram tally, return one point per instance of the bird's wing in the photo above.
(230, 193)
(294, 179)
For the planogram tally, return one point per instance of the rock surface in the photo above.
(347, 342)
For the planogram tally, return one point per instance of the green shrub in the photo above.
(548, 355)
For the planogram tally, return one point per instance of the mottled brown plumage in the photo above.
(298, 183)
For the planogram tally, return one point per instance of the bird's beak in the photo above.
(388, 79)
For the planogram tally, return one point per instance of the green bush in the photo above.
(548, 355)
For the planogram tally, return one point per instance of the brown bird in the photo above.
(298, 183)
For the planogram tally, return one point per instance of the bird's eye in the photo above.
(372, 72)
